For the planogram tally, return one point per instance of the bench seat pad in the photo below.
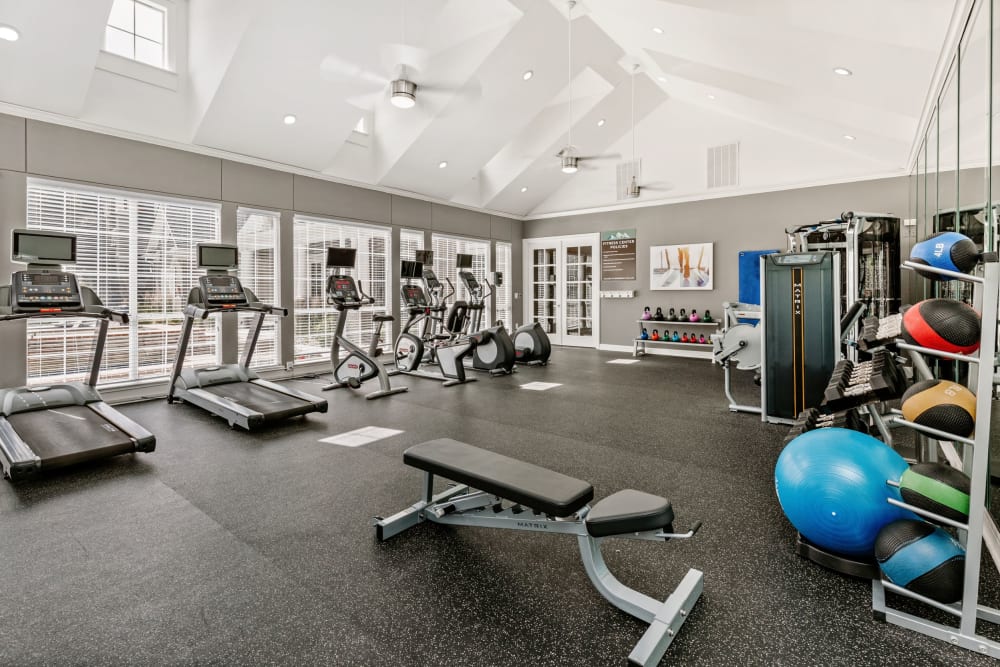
(537, 488)
(629, 511)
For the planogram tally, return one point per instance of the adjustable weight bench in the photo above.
(495, 491)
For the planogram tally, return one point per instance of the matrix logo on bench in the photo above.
(533, 525)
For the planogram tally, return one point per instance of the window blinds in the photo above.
(257, 238)
(138, 254)
(315, 321)
(504, 313)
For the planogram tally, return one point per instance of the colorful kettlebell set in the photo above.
(673, 316)
(673, 337)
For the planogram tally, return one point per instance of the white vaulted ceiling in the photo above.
(757, 72)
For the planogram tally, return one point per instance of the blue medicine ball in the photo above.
(922, 558)
(831, 483)
(945, 250)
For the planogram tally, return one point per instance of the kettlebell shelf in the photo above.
(674, 348)
(974, 461)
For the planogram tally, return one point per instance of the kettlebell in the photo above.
(684, 315)
(656, 335)
(695, 317)
(659, 315)
(684, 338)
(707, 317)
(701, 339)
(675, 338)
(644, 335)
(672, 316)
(646, 315)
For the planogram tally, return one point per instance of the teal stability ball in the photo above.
(831, 483)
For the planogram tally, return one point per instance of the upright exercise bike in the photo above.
(343, 294)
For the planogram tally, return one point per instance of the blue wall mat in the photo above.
(750, 274)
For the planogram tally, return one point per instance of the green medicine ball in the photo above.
(937, 488)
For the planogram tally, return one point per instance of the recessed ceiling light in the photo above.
(442, 164)
(842, 71)
(710, 96)
(850, 137)
(290, 119)
(524, 189)
(658, 30)
(9, 33)
(527, 75)
(601, 122)
(661, 78)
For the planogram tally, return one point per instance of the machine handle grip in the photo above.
(195, 312)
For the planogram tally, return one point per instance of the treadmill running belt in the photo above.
(273, 405)
(70, 434)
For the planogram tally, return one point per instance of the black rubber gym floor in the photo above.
(224, 547)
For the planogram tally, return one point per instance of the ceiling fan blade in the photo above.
(467, 93)
(396, 55)
(603, 156)
(335, 68)
(366, 101)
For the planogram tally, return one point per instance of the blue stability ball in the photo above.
(831, 483)
(945, 250)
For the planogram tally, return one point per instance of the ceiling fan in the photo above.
(408, 66)
(569, 156)
(634, 190)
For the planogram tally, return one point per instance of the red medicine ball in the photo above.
(942, 324)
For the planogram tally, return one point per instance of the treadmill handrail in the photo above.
(202, 312)
(91, 312)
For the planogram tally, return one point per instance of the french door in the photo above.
(561, 280)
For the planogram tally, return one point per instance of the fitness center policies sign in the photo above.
(618, 255)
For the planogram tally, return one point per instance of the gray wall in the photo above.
(748, 222)
(33, 148)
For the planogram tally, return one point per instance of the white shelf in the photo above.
(678, 323)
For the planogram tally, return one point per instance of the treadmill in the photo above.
(232, 391)
(42, 428)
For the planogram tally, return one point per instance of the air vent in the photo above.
(626, 170)
(724, 166)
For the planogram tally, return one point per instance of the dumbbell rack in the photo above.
(975, 463)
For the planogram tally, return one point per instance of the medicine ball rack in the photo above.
(974, 461)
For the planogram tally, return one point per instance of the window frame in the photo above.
(271, 331)
(359, 326)
(452, 271)
(83, 206)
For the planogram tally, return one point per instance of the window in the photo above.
(137, 30)
(257, 238)
(445, 249)
(362, 126)
(315, 321)
(409, 242)
(504, 305)
(138, 254)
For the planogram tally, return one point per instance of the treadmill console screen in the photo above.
(343, 291)
(413, 296)
(45, 292)
(222, 290)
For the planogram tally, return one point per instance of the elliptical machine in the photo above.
(531, 343)
(447, 350)
(496, 354)
(343, 294)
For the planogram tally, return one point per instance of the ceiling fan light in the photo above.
(569, 164)
(404, 94)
